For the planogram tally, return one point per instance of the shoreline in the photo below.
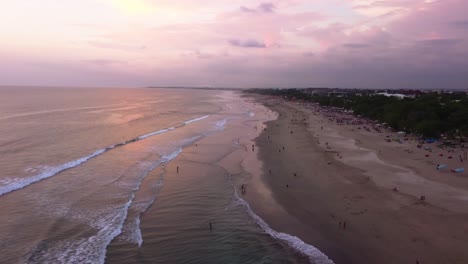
(314, 192)
(199, 197)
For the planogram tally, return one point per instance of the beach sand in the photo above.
(310, 176)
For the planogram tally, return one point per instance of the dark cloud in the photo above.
(403, 70)
(198, 54)
(460, 24)
(386, 3)
(247, 10)
(266, 7)
(249, 43)
(441, 42)
(355, 45)
(262, 8)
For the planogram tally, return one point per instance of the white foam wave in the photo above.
(132, 228)
(91, 249)
(173, 155)
(156, 133)
(20, 183)
(315, 255)
(221, 124)
(195, 119)
(191, 140)
(117, 230)
(138, 235)
(94, 248)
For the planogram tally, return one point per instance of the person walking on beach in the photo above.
(244, 189)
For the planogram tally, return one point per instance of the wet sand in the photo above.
(307, 190)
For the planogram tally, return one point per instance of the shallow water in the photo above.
(90, 176)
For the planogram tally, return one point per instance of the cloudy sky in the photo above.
(235, 43)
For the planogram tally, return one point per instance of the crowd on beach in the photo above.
(454, 149)
(324, 122)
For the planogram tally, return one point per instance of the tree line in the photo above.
(430, 114)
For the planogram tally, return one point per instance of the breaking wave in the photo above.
(20, 183)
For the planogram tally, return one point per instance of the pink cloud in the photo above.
(367, 43)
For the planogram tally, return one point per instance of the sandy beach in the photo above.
(352, 194)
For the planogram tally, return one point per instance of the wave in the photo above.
(221, 124)
(116, 231)
(250, 114)
(86, 250)
(132, 231)
(20, 183)
(173, 155)
(136, 236)
(94, 248)
(155, 133)
(315, 255)
(195, 120)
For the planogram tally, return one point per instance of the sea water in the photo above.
(87, 176)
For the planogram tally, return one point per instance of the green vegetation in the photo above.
(428, 114)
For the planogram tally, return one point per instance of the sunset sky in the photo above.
(235, 43)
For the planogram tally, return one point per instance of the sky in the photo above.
(235, 43)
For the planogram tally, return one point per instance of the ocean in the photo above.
(131, 175)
